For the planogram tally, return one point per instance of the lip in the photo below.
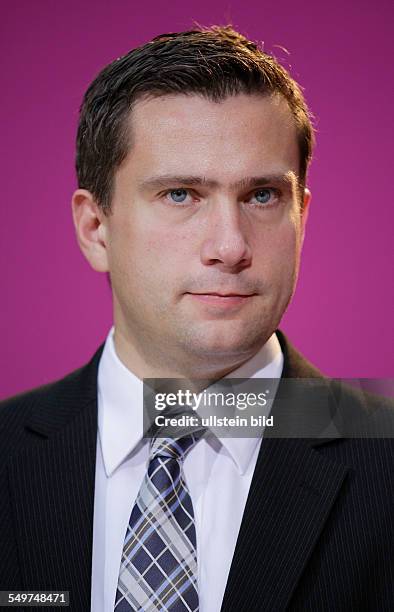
(223, 300)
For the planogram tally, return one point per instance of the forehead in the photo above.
(240, 134)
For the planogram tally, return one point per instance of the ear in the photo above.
(90, 227)
(305, 211)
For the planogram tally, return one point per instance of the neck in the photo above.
(162, 365)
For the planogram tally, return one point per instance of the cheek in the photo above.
(170, 249)
(276, 250)
(151, 262)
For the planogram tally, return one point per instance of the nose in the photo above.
(226, 242)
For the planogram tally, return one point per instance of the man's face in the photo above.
(204, 241)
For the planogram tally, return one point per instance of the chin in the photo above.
(224, 345)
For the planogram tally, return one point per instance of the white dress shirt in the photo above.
(218, 474)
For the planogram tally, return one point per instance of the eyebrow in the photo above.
(287, 179)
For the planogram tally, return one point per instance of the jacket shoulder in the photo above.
(361, 413)
(21, 402)
(295, 365)
(80, 384)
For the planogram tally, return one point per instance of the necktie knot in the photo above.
(174, 448)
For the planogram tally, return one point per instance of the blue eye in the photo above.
(263, 195)
(178, 195)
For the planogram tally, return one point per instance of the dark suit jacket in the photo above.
(316, 532)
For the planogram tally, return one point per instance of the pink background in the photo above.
(56, 310)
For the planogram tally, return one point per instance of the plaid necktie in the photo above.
(159, 562)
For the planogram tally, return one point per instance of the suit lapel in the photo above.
(292, 492)
(52, 488)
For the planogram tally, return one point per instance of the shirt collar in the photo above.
(120, 398)
(266, 363)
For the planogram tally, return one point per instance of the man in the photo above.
(192, 158)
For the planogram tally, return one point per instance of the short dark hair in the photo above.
(214, 62)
